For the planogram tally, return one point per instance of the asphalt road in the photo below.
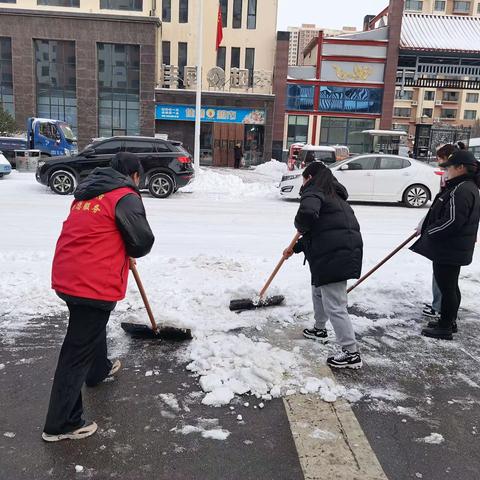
(137, 438)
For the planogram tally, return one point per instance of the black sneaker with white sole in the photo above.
(429, 311)
(87, 429)
(435, 324)
(345, 359)
(315, 333)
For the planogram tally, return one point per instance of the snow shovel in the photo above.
(385, 260)
(261, 301)
(144, 331)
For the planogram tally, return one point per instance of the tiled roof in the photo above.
(444, 33)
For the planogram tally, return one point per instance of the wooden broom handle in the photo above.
(279, 265)
(385, 260)
(134, 270)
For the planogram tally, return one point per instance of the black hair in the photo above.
(473, 171)
(321, 176)
(126, 163)
(446, 150)
(461, 145)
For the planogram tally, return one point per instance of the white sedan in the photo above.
(378, 178)
(5, 167)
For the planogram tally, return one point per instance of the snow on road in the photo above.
(216, 240)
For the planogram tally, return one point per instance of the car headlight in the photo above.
(289, 177)
(41, 163)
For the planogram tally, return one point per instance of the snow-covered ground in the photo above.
(217, 240)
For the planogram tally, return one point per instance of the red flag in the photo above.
(219, 27)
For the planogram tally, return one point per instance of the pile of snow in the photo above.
(208, 181)
(273, 169)
(230, 365)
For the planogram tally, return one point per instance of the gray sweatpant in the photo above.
(437, 296)
(330, 303)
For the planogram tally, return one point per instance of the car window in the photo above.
(392, 163)
(48, 130)
(137, 146)
(328, 157)
(110, 147)
(366, 163)
(162, 147)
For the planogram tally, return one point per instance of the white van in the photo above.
(316, 153)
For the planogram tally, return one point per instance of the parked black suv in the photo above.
(166, 164)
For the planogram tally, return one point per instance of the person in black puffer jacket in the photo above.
(448, 236)
(333, 247)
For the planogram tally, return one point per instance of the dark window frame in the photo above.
(59, 3)
(55, 80)
(224, 10)
(252, 14)
(222, 58)
(165, 44)
(182, 62)
(235, 51)
(249, 67)
(182, 11)
(7, 99)
(130, 5)
(166, 10)
(293, 126)
(237, 13)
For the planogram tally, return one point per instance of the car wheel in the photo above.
(161, 185)
(416, 196)
(62, 182)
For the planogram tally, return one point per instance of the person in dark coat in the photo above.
(448, 236)
(237, 155)
(433, 310)
(106, 226)
(333, 247)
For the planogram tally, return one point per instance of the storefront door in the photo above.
(225, 136)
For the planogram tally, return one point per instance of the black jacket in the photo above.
(237, 153)
(449, 231)
(331, 239)
(129, 215)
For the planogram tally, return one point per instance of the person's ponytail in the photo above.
(474, 172)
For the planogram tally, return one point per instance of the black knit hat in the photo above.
(460, 157)
(126, 163)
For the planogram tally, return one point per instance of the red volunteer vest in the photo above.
(90, 258)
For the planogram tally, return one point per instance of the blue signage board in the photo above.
(211, 114)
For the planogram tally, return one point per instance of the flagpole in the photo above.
(198, 103)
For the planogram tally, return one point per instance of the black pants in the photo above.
(236, 163)
(83, 358)
(446, 277)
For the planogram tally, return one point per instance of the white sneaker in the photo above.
(115, 368)
(83, 432)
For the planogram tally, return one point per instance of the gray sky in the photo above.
(326, 13)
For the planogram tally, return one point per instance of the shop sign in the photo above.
(211, 114)
(351, 72)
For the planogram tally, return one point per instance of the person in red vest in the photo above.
(107, 224)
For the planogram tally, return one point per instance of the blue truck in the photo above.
(52, 137)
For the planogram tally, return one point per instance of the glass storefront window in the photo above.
(6, 77)
(300, 97)
(297, 131)
(253, 145)
(118, 89)
(351, 99)
(55, 73)
(132, 5)
(346, 131)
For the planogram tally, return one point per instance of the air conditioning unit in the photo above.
(414, 104)
(411, 137)
(438, 103)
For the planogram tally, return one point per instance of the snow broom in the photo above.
(261, 301)
(144, 331)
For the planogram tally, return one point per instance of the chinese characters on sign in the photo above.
(211, 114)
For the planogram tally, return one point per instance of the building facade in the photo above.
(113, 67)
(300, 38)
(237, 100)
(443, 7)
